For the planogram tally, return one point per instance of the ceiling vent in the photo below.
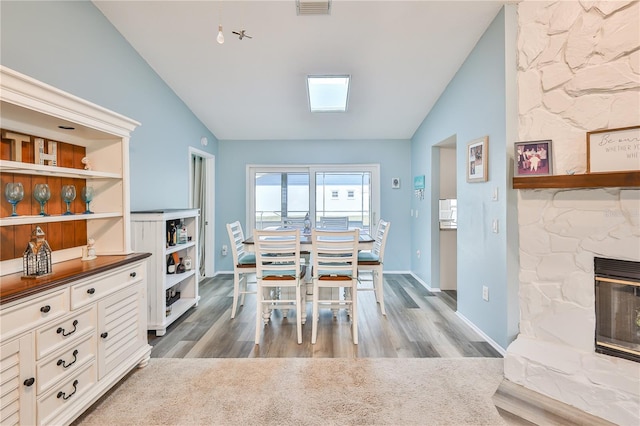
(313, 7)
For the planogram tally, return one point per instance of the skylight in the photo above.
(328, 93)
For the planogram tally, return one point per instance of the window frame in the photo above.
(253, 169)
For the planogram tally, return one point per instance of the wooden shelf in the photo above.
(592, 180)
(33, 220)
(40, 169)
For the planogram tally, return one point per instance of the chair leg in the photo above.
(243, 288)
(378, 282)
(259, 307)
(299, 315)
(314, 316)
(354, 313)
(236, 291)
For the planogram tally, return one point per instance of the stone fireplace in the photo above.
(578, 71)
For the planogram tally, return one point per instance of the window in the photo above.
(278, 192)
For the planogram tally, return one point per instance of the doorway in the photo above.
(447, 223)
(202, 196)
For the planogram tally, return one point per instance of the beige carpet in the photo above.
(305, 391)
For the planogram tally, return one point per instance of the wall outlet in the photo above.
(494, 194)
(485, 293)
(225, 250)
(495, 226)
(418, 253)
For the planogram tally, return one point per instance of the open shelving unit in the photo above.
(37, 111)
(150, 235)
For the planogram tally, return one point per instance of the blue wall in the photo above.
(472, 106)
(392, 155)
(73, 47)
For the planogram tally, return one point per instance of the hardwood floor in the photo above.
(419, 324)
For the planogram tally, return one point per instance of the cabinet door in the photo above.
(17, 382)
(121, 329)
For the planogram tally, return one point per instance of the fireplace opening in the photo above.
(617, 287)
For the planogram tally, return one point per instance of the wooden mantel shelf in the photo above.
(592, 180)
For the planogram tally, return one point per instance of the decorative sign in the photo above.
(418, 182)
(50, 157)
(613, 150)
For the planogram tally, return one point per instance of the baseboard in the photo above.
(427, 286)
(489, 340)
(523, 406)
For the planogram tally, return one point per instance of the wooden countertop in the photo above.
(13, 286)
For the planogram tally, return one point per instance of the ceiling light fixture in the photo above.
(220, 37)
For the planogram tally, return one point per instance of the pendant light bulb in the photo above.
(220, 37)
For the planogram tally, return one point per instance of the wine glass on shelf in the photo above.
(87, 197)
(14, 193)
(42, 193)
(68, 194)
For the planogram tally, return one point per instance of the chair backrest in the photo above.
(236, 238)
(382, 231)
(335, 222)
(334, 253)
(292, 222)
(277, 253)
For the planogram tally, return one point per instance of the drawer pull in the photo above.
(65, 396)
(91, 290)
(64, 364)
(60, 330)
(104, 335)
(132, 275)
(45, 309)
(30, 381)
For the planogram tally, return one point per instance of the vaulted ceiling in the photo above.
(401, 56)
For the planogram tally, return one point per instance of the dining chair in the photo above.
(372, 262)
(335, 266)
(334, 223)
(278, 268)
(291, 222)
(244, 265)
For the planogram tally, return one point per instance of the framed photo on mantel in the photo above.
(533, 158)
(613, 150)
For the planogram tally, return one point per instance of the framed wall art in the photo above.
(613, 150)
(478, 160)
(533, 158)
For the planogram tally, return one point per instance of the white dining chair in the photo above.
(335, 266)
(334, 223)
(278, 268)
(244, 266)
(370, 265)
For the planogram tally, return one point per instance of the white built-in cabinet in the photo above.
(169, 295)
(66, 338)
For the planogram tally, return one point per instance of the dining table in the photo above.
(365, 243)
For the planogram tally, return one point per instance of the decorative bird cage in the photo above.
(36, 260)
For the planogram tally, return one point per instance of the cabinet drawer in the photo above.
(92, 290)
(65, 395)
(32, 313)
(54, 336)
(55, 368)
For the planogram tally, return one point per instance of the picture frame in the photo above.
(478, 160)
(533, 158)
(613, 150)
(395, 183)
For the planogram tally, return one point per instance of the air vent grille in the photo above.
(313, 7)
